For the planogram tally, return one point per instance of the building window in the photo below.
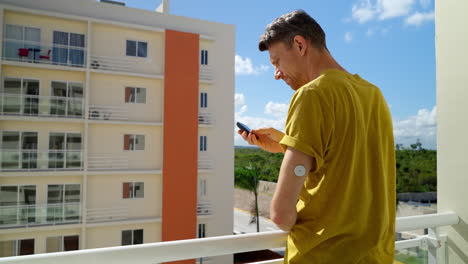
(201, 188)
(133, 190)
(204, 57)
(135, 95)
(137, 48)
(203, 144)
(16, 247)
(65, 150)
(203, 100)
(21, 96)
(19, 150)
(68, 48)
(21, 201)
(134, 142)
(67, 99)
(21, 37)
(62, 243)
(201, 230)
(132, 237)
(63, 202)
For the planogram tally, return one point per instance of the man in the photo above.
(336, 187)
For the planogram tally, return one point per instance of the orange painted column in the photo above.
(180, 150)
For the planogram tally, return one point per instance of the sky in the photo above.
(388, 42)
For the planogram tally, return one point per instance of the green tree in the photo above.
(247, 178)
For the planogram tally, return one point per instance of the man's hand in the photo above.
(266, 138)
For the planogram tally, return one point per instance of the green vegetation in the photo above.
(416, 167)
(419, 257)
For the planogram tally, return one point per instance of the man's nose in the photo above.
(278, 74)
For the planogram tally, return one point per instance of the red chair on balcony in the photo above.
(45, 57)
(23, 53)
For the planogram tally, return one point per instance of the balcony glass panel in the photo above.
(12, 103)
(415, 255)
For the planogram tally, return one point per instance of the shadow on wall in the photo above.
(462, 230)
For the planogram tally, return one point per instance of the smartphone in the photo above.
(243, 127)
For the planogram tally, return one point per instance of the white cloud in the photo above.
(366, 10)
(421, 126)
(239, 99)
(277, 110)
(244, 66)
(363, 11)
(348, 37)
(394, 8)
(418, 19)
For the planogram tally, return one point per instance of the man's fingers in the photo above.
(263, 130)
(251, 138)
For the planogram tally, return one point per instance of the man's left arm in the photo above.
(283, 205)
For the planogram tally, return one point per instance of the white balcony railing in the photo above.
(205, 118)
(36, 52)
(33, 160)
(108, 162)
(44, 106)
(106, 214)
(204, 163)
(204, 208)
(34, 215)
(217, 246)
(206, 73)
(117, 64)
(97, 112)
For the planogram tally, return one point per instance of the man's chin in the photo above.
(294, 87)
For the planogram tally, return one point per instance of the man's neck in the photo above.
(324, 62)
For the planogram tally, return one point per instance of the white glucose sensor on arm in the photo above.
(300, 170)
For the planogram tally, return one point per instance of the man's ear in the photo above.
(300, 43)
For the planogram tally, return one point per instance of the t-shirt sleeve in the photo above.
(308, 126)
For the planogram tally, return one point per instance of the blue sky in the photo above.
(388, 42)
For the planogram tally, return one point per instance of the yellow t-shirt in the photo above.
(346, 209)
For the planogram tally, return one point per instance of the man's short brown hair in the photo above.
(289, 25)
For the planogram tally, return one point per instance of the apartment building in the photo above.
(115, 127)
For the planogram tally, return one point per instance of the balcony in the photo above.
(206, 73)
(204, 208)
(204, 163)
(33, 160)
(41, 106)
(40, 53)
(113, 113)
(205, 118)
(117, 64)
(37, 215)
(108, 162)
(162, 252)
(95, 215)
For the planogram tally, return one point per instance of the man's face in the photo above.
(286, 62)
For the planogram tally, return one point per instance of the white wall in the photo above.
(452, 114)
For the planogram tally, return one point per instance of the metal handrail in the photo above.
(197, 248)
(108, 162)
(206, 73)
(99, 112)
